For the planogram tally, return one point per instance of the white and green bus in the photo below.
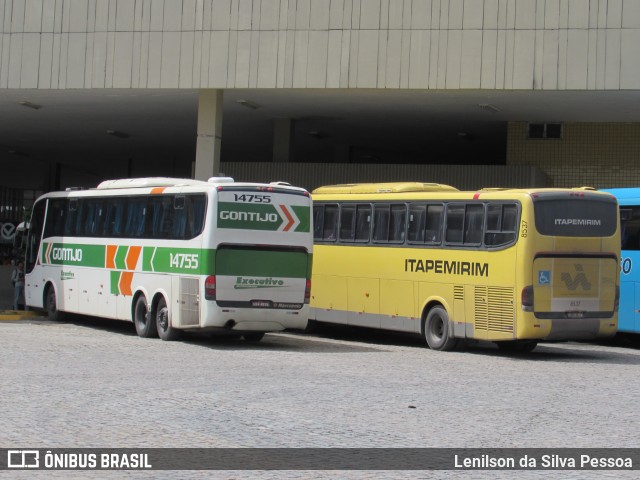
(173, 255)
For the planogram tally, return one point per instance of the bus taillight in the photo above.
(210, 287)
(527, 298)
(616, 303)
(307, 291)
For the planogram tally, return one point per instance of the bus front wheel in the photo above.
(165, 330)
(51, 306)
(145, 327)
(436, 330)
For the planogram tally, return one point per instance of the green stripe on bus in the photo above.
(121, 257)
(115, 282)
(304, 215)
(73, 254)
(178, 260)
(230, 261)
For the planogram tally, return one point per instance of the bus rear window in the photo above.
(576, 217)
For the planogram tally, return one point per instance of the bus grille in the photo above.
(494, 309)
(458, 292)
(189, 305)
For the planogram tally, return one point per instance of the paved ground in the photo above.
(93, 383)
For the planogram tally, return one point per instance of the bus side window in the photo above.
(455, 222)
(347, 223)
(70, 221)
(155, 217)
(54, 226)
(113, 217)
(363, 223)
(433, 227)
(92, 223)
(397, 223)
(182, 210)
(502, 224)
(389, 223)
(630, 228)
(136, 211)
(196, 210)
(417, 223)
(381, 217)
(318, 221)
(473, 222)
(330, 224)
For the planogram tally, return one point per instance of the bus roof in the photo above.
(158, 185)
(416, 190)
(160, 182)
(624, 194)
(388, 187)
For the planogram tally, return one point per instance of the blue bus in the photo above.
(629, 310)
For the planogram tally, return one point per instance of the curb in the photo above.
(19, 314)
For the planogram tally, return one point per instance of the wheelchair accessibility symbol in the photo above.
(544, 277)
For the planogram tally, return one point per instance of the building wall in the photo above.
(434, 44)
(600, 155)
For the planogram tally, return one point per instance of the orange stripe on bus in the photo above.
(157, 190)
(125, 283)
(290, 219)
(111, 256)
(132, 257)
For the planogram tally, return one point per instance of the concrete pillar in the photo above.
(209, 134)
(283, 139)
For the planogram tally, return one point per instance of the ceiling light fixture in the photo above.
(118, 134)
(25, 103)
(488, 107)
(248, 104)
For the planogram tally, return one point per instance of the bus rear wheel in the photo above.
(165, 330)
(436, 330)
(51, 306)
(145, 327)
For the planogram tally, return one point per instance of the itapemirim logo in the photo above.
(580, 279)
(243, 283)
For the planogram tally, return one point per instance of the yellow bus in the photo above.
(511, 266)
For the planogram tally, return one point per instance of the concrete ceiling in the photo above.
(405, 126)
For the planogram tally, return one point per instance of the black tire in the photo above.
(165, 330)
(145, 326)
(519, 346)
(253, 337)
(436, 330)
(312, 326)
(51, 306)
